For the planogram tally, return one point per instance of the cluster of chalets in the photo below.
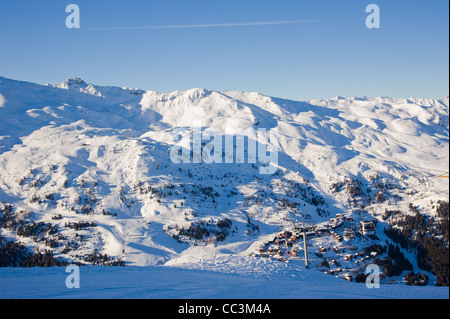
(344, 261)
(284, 245)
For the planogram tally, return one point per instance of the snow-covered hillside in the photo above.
(92, 164)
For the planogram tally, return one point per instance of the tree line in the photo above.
(428, 237)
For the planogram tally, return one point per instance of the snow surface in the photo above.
(170, 283)
(109, 138)
(2, 100)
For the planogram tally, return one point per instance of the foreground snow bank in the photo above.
(175, 283)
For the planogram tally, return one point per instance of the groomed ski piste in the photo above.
(93, 165)
(177, 283)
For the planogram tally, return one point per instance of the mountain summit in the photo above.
(77, 84)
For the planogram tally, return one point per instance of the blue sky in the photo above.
(327, 52)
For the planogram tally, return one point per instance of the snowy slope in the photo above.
(174, 283)
(101, 155)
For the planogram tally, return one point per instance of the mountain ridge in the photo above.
(80, 153)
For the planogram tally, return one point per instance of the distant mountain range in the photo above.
(86, 173)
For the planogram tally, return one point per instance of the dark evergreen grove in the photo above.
(429, 237)
(16, 254)
(395, 263)
(207, 231)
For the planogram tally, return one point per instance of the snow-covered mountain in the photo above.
(92, 164)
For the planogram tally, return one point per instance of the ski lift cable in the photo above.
(434, 193)
(443, 193)
(428, 169)
(429, 179)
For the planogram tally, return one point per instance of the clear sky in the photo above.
(285, 48)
